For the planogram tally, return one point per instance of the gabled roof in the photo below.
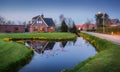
(114, 21)
(36, 17)
(49, 21)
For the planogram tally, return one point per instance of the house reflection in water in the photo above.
(50, 48)
(40, 46)
(63, 44)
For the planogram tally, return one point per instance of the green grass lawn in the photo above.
(41, 36)
(107, 59)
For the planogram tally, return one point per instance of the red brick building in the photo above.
(41, 24)
(84, 27)
(12, 28)
(115, 22)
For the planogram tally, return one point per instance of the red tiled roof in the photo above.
(84, 26)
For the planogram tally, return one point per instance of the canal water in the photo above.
(56, 56)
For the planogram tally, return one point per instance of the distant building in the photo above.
(79, 26)
(12, 28)
(83, 27)
(92, 27)
(41, 24)
(115, 22)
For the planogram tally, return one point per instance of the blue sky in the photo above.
(78, 10)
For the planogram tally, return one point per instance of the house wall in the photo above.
(38, 28)
(51, 29)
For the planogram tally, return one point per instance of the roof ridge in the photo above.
(48, 18)
(36, 17)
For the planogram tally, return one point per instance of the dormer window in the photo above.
(39, 22)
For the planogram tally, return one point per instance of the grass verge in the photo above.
(107, 59)
(40, 36)
(13, 56)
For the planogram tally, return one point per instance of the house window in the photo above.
(51, 28)
(42, 29)
(39, 22)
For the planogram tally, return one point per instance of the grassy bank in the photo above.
(40, 36)
(107, 60)
(13, 56)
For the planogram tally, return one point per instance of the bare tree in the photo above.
(61, 17)
(9, 22)
(2, 20)
(87, 24)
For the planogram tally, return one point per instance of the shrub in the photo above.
(110, 30)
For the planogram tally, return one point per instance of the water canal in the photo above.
(56, 56)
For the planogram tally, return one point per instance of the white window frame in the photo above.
(39, 22)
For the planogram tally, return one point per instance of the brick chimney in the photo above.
(42, 16)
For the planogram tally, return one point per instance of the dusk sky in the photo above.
(78, 10)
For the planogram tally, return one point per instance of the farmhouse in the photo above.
(41, 24)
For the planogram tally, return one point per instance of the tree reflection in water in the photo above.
(63, 44)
